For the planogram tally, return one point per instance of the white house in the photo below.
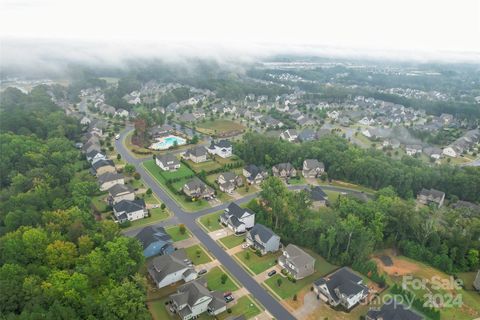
(127, 210)
(167, 162)
(289, 135)
(108, 180)
(172, 268)
(238, 219)
(413, 149)
(223, 148)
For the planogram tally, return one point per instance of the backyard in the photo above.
(214, 280)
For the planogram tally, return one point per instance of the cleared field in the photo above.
(176, 235)
(210, 221)
(232, 241)
(214, 280)
(197, 255)
(219, 126)
(255, 263)
(206, 166)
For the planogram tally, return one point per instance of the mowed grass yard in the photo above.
(214, 280)
(255, 263)
(197, 255)
(219, 126)
(154, 170)
(206, 166)
(288, 288)
(176, 235)
(211, 221)
(232, 241)
(182, 173)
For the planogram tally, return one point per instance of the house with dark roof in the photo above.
(155, 241)
(343, 287)
(289, 135)
(296, 262)
(222, 148)
(237, 218)
(229, 181)
(103, 166)
(318, 197)
(167, 162)
(307, 135)
(193, 299)
(312, 168)
(120, 192)
(254, 174)
(263, 239)
(196, 154)
(197, 189)
(431, 196)
(108, 180)
(284, 171)
(171, 268)
(393, 310)
(127, 210)
(95, 155)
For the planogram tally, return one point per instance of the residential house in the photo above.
(95, 155)
(120, 192)
(161, 131)
(129, 210)
(121, 113)
(254, 174)
(237, 219)
(263, 239)
(318, 197)
(167, 162)
(465, 205)
(284, 171)
(289, 135)
(413, 149)
(394, 143)
(312, 168)
(196, 154)
(197, 189)
(307, 135)
(433, 196)
(343, 287)
(85, 121)
(193, 299)
(108, 180)
(155, 241)
(393, 310)
(296, 262)
(222, 148)
(433, 152)
(103, 166)
(229, 181)
(171, 268)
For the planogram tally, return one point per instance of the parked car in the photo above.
(271, 273)
(229, 299)
(245, 245)
(117, 137)
(203, 271)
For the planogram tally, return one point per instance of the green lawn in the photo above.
(244, 306)
(156, 215)
(174, 232)
(218, 126)
(467, 278)
(214, 280)
(153, 169)
(206, 166)
(182, 173)
(136, 184)
(255, 263)
(289, 288)
(332, 196)
(298, 180)
(99, 202)
(232, 241)
(197, 255)
(158, 310)
(210, 221)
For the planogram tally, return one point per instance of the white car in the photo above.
(245, 245)
(117, 137)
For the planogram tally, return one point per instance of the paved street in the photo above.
(272, 305)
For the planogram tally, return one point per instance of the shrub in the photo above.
(182, 229)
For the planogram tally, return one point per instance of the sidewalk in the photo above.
(221, 233)
(186, 243)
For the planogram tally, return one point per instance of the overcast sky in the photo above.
(411, 26)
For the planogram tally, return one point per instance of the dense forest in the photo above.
(56, 261)
(348, 232)
(369, 167)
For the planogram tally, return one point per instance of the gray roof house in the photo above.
(108, 180)
(127, 210)
(433, 196)
(393, 310)
(307, 135)
(318, 197)
(229, 181)
(237, 219)
(103, 166)
(196, 188)
(254, 174)
(120, 192)
(289, 135)
(343, 287)
(263, 239)
(171, 268)
(155, 241)
(284, 170)
(167, 162)
(465, 205)
(297, 262)
(192, 299)
(196, 154)
(312, 168)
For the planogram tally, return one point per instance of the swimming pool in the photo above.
(167, 142)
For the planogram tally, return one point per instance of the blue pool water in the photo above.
(167, 142)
